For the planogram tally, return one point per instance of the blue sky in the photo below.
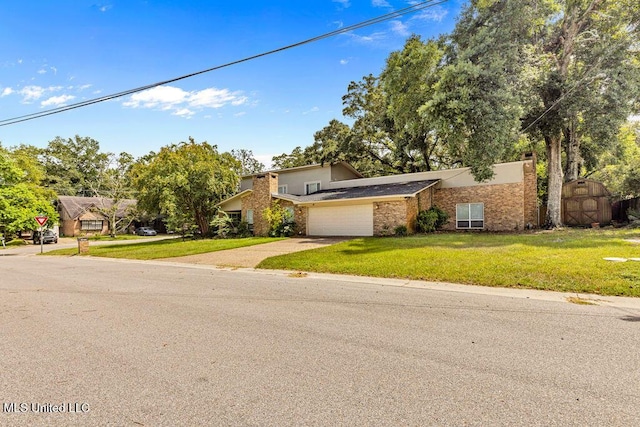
(55, 53)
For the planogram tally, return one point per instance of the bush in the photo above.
(432, 219)
(222, 224)
(280, 220)
(401, 230)
(243, 229)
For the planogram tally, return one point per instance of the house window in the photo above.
(470, 215)
(235, 217)
(250, 216)
(90, 225)
(311, 187)
(282, 189)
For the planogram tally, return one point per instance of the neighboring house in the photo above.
(335, 200)
(81, 215)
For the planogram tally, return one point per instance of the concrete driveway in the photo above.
(251, 256)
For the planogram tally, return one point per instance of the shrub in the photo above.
(401, 230)
(432, 219)
(280, 220)
(243, 229)
(222, 224)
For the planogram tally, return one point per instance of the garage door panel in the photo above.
(352, 220)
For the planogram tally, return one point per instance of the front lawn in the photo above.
(168, 248)
(565, 260)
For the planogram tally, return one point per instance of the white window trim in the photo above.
(312, 182)
(92, 225)
(285, 188)
(470, 219)
(250, 216)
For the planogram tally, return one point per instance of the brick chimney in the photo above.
(264, 185)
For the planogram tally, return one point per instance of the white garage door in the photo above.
(354, 220)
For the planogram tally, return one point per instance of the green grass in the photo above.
(168, 248)
(117, 238)
(15, 242)
(565, 260)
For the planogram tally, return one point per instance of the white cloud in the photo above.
(183, 103)
(343, 3)
(380, 3)
(344, 61)
(83, 87)
(240, 114)
(372, 38)
(58, 101)
(339, 24)
(400, 28)
(215, 98)
(434, 14)
(104, 8)
(6, 91)
(313, 110)
(42, 71)
(161, 96)
(54, 69)
(19, 61)
(31, 93)
(184, 112)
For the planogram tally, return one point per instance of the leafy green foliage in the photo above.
(184, 182)
(21, 200)
(222, 224)
(620, 167)
(280, 220)
(296, 158)
(431, 219)
(74, 166)
(248, 163)
(401, 230)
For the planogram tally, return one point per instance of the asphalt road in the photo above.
(150, 344)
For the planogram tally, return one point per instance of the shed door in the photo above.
(353, 220)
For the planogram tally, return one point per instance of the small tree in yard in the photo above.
(280, 220)
(430, 220)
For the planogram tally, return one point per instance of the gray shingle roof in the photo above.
(395, 189)
(76, 206)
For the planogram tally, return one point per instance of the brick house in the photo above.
(81, 215)
(335, 200)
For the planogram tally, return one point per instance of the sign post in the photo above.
(41, 220)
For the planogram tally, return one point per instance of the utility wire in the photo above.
(396, 14)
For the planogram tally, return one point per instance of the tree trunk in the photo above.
(553, 218)
(572, 150)
(202, 223)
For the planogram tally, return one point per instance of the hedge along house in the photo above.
(335, 200)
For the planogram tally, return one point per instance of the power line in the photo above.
(396, 14)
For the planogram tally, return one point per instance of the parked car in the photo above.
(48, 236)
(146, 231)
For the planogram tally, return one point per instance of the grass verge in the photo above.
(168, 248)
(119, 237)
(564, 260)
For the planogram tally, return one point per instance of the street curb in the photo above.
(563, 297)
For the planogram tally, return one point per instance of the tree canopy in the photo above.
(21, 199)
(511, 74)
(184, 182)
